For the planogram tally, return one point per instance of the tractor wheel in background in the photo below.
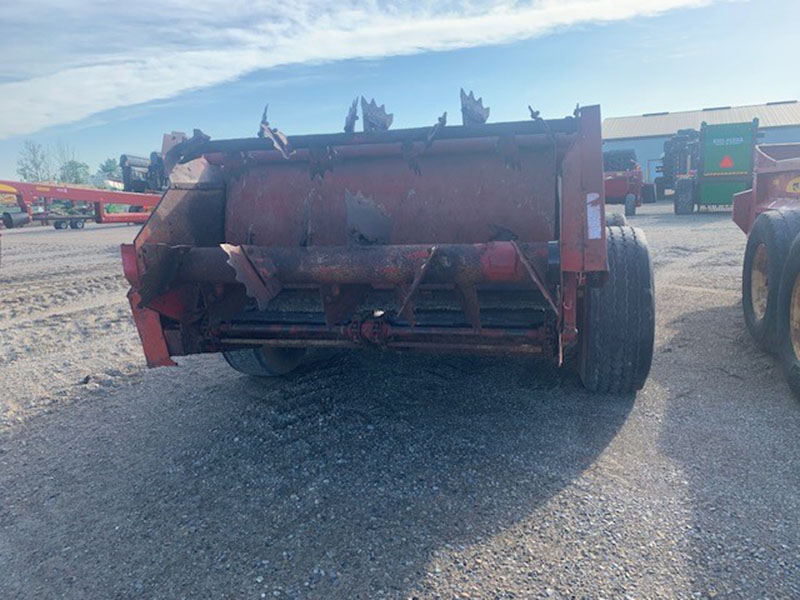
(265, 361)
(767, 247)
(658, 182)
(618, 318)
(630, 205)
(77, 224)
(788, 318)
(59, 224)
(684, 197)
(648, 193)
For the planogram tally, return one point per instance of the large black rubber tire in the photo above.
(774, 230)
(630, 205)
(265, 361)
(789, 350)
(684, 197)
(618, 318)
(76, 224)
(648, 193)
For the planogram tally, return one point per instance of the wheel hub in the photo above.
(794, 318)
(759, 282)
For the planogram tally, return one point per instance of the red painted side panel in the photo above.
(776, 184)
(458, 198)
(148, 323)
(583, 232)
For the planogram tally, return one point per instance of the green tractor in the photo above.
(718, 165)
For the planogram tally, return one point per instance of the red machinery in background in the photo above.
(36, 201)
(622, 179)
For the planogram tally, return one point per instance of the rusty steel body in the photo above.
(476, 238)
(776, 184)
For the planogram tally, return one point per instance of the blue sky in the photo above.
(110, 80)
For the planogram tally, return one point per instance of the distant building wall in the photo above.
(780, 135)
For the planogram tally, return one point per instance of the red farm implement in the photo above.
(71, 206)
(769, 213)
(482, 237)
(622, 179)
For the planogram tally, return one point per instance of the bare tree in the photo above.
(33, 163)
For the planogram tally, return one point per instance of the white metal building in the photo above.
(646, 134)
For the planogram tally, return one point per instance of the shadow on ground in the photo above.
(340, 482)
(732, 426)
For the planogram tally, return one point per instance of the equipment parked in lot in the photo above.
(769, 213)
(622, 179)
(724, 166)
(141, 174)
(488, 238)
(69, 206)
(679, 158)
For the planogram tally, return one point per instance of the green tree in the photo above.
(33, 163)
(109, 169)
(73, 171)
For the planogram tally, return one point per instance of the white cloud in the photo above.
(67, 60)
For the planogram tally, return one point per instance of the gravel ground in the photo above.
(387, 475)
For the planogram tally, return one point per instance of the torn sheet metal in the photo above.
(258, 278)
(367, 222)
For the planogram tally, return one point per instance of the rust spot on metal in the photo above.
(508, 148)
(320, 161)
(340, 301)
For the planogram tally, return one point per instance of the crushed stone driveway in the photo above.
(385, 475)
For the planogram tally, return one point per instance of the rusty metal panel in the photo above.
(388, 266)
(458, 198)
(583, 232)
(444, 238)
(191, 211)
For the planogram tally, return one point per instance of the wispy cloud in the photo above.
(67, 60)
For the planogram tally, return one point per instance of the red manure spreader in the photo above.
(480, 237)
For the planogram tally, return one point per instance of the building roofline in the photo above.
(705, 109)
(667, 135)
